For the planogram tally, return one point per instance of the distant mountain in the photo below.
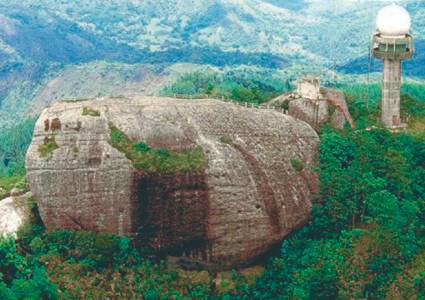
(292, 5)
(413, 67)
(298, 30)
(43, 39)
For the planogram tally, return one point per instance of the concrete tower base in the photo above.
(391, 94)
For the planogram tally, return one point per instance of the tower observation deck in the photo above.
(392, 43)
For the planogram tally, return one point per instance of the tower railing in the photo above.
(396, 48)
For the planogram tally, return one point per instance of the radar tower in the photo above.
(392, 43)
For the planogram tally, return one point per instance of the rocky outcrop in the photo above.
(315, 105)
(14, 213)
(204, 179)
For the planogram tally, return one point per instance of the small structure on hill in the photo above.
(308, 87)
(314, 104)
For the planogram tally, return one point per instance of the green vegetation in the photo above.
(81, 265)
(285, 105)
(22, 278)
(8, 183)
(366, 229)
(14, 143)
(48, 146)
(256, 88)
(226, 140)
(412, 105)
(158, 161)
(77, 100)
(297, 164)
(167, 33)
(87, 111)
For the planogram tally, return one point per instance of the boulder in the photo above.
(204, 179)
(315, 105)
(314, 112)
(14, 213)
(330, 107)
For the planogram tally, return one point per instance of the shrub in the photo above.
(238, 85)
(142, 147)
(285, 105)
(76, 100)
(48, 146)
(297, 164)
(8, 183)
(87, 111)
(22, 184)
(157, 160)
(226, 140)
(20, 277)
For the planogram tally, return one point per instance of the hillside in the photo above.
(303, 29)
(45, 44)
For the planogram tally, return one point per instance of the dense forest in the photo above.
(240, 86)
(365, 239)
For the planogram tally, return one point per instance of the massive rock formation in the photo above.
(232, 182)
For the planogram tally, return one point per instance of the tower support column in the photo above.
(391, 93)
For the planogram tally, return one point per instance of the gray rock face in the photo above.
(247, 199)
(314, 112)
(316, 105)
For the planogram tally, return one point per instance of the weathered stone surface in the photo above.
(337, 102)
(248, 198)
(14, 213)
(316, 105)
(314, 112)
(309, 87)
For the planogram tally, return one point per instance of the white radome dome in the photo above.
(393, 20)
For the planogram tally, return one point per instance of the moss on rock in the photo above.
(159, 161)
(75, 100)
(87, 111)
(48, 146)
(297, 164)
(226, 140)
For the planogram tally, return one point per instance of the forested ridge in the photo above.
(50, 50)
(365, 239)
